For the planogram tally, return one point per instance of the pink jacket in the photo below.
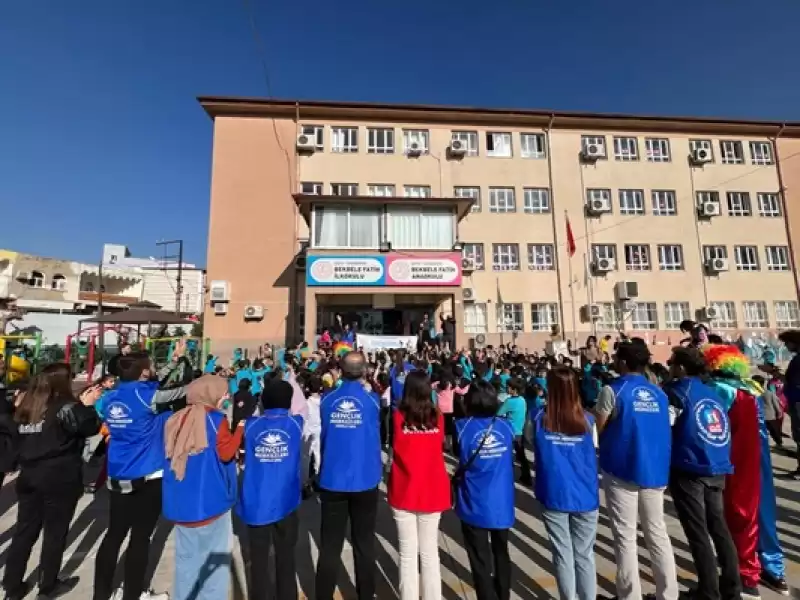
(444, 398)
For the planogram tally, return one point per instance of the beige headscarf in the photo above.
(185, 432)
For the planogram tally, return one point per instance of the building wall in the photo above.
(160, 286)
(788, 151)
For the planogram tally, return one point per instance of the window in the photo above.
(418, 228)
(787, 314)
(36, 280)
(631, 202)
(675, 313)
(726, 315)
(702, 197)
(344, 139)
(777, 258)
(498, 144)
(610, 317)
(341, 226)
(664, 203)
(505, 257)
(421, 137)
(380, 140)
(475, 318)
(317, 132)
(502, 200)
(739, 204)
(311, 187)
(644, 316)
(746, 258)
(509, 317)
(695, 145)
(469, 139)
(732, 152)
(670, 257)
(540, 257)
(769, 205)
(383, 190)
(88, 286)
(344, 189)
(475, 253)
(58, 283)
(469, 192)
(761, 153)
(536, 200)
(605, 251)
(598, 141)
(417, 191)
(626, 148)
(637, 257)
(533, 145)
(544, 316)
(601, 195)
(755, 314)
(713, 252)
(657, 149)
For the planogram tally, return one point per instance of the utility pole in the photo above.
(179, 278)
(100, 328)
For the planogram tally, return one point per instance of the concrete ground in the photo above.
(532, 572)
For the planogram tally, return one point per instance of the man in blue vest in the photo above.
(635, 445)
(350, 472)
(791, 389)
(701, 458)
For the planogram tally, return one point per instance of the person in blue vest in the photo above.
(701, 458)
(135, 462)
(484, 495)
(199, 489)
(567, 484)
(271, 491)
(397, 376)
(348, 479)
(635, 448)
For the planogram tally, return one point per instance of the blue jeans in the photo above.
(572, 538)
(203, 560)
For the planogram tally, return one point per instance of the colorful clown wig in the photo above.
(727, 360)
(341, 348)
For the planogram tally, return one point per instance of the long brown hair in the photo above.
(417, 405)
(53, 382)
(564, 412)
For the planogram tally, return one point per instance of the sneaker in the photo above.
(750, 593)
(62, 587)
(151, 595)
(117, 595)
(777, 584)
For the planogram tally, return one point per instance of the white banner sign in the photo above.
(373, 343)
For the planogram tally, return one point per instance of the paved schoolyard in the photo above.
(532, 573)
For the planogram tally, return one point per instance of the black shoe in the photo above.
(18, 594)
(793, 476)
(526, 480)
(776, 584)
(750, 593)
(62, 586)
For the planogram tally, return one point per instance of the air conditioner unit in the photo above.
(469, 295)
(629, 305)
(592, 312)
(627, 290)
(457, 148)
(220, 309)
(717, 265)
(599, 206)
(592, 152)
(306, 142)
(253, 312)
(467, 264)
(709, 313)
(414, 149)
(604, 265)
(709, 209)
(300, 262)
(219, 291)
(701, 156)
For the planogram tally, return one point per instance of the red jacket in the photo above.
(418, 480)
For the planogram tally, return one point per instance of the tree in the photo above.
(197, 329)
(179, 331)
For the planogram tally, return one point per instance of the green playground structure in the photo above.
(161, 349)
(20, 359)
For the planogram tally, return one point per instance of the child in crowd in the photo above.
(515, 409)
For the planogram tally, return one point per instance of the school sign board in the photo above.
(394, 269)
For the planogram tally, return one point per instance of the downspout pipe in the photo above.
(556, 253)
(782, 196)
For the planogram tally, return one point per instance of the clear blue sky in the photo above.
(101, 138)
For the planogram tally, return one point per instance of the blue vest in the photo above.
(701, 436)
(350, 439)
(136, 446)
(398, 382)
(635, 445)
(208, 488)
(485, 495)
(566, 468)
(271, 481)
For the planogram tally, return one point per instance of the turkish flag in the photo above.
(571, 248)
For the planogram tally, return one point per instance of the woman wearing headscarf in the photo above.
(199, 489)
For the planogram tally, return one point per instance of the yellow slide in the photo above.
(17, 367)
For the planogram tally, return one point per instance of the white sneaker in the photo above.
(151, 595)
(117, 595)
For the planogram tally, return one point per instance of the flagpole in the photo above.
(572, 300)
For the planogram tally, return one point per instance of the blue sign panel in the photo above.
(361, 271)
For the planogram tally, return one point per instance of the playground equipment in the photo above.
(82, 346)
(161, 349)
(19, 357)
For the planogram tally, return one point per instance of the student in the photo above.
(244, 402)
(270, 494)
(312, 429)
(419, 488)
(52, 427)
(567, 484)
(515, 409)
(397, 376)
(484, 491)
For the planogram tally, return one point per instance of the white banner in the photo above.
(372, 343)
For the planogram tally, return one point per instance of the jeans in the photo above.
(283, 537)
(418, 537)
(522, 459)
(628, 503)
(572, 538)
(698, 502)
(487, 550)
(203, 560)
(361, 509)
